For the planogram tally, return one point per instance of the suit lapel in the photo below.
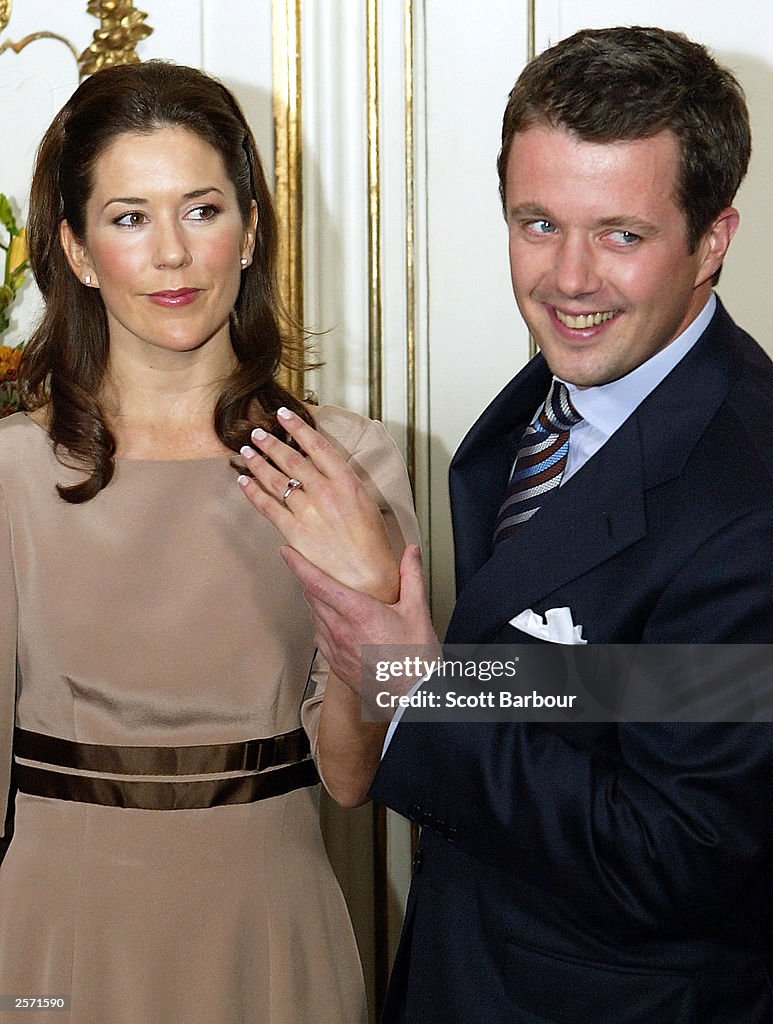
(599, 511)
(481, 467)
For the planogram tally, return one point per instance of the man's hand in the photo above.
(346, 619)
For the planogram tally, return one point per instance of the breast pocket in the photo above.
(564, 990)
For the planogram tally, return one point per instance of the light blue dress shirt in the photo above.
(606, 407)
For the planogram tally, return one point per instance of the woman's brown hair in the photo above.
(64, 363)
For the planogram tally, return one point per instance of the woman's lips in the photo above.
(174, 297)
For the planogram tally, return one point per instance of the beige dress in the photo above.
(160, 615)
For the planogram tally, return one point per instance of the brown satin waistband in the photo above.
(204, 759)
(165, 796)
(286, 757)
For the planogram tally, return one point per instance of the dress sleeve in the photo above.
(375, 459)
(8, 625)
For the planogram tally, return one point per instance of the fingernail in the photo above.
(242, 480)
(284, 413)
(259, 434)
(247, 452)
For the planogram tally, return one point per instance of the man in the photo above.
(614, 873)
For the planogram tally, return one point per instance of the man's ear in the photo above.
(77, 256)
(716, 242)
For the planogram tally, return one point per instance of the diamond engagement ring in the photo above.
(292, 485)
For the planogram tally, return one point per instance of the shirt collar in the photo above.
(607, 406)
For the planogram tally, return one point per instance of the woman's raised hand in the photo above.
(321, 507)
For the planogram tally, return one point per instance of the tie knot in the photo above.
(558, 413)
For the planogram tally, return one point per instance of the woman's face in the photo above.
(164, 241)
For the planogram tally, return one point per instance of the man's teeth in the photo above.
(584, 319)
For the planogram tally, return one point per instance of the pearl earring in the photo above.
(244, 261)
(87, 279)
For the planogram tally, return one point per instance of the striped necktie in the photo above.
(540, 463)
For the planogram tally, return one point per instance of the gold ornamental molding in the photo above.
(375, 411)
(531, 30)
(410, 246)
(121, 29)
(288, 171)
(375, 333)
(17, 47)
(375, 311)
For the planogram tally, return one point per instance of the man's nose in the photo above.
(575, 271)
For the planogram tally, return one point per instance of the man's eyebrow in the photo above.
(627, 223)
(529, 210)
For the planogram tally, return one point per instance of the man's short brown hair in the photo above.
(620, 84)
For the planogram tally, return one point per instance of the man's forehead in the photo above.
(551, 166)
(559, 132)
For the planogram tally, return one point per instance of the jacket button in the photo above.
(418, 860)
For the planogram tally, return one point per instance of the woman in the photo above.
(167, 863)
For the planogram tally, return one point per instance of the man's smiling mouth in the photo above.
(584, 320)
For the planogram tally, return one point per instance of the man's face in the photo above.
(598, 250)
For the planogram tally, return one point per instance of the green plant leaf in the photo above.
(7, 218)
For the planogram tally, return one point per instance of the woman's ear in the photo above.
(77, 256)
(248, 242)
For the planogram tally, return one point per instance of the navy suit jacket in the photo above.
(603, 873)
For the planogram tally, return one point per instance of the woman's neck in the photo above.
(164, 409)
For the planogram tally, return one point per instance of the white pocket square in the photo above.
(557, 626)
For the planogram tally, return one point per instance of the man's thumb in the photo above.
(411, 574)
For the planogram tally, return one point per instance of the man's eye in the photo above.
(541, 227)
(624, 237)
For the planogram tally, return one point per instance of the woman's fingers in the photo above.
(317, 450)
(321, 507)
(273, 508)
(286, 459)
(276, 482)
(320, 476)
(286, 470)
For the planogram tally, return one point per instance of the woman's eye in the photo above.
(206, 212)
(132, 219)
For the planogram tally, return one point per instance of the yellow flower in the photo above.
(17, 251)
(9, 362)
